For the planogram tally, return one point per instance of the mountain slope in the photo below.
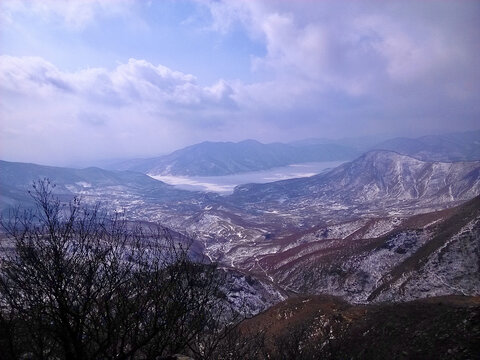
(325, 327)
(224, 158)
(17, 178)
(425, 255)
(381, 177)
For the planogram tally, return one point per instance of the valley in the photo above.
(225, 184)
(239, 180)
(383, 227)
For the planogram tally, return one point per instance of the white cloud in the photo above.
(137, 102)
(398, 58)
(342, 43)
(134, 82)
(74, 14)
(31, 75)
(329, 69)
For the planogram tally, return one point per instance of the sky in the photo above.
(84, 80)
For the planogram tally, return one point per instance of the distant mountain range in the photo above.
(226, 158)
(458, 146)
(383, 178)
(449, 147)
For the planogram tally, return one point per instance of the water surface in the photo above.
(225, 184)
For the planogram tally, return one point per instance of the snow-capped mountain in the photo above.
(377, 179)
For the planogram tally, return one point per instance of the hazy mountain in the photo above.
(449, 147)
(224, 158)
(359, 143)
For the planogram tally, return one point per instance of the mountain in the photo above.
(268, 228)
(224, 158)
(382, 229)
(354, 231)
(91, 183)
(457, 146)
(462, 146)
(359, 143)
(414, 257)
(375, 179)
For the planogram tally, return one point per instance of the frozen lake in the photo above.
(226, 184)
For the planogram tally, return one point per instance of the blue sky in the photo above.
(86, 79)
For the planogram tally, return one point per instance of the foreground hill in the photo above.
(323, 327)
(224, 158)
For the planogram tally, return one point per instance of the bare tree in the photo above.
(81, 283)
(223, 339)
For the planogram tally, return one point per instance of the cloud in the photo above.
(150, 106)
(389, 60)
(329, 68)
(350, 47)
(31, 74)
(135, 82)
(92, 119)
(73, 14)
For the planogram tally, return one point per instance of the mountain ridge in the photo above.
(377, 174)
(461, 146)
(210, 158)
(226, 158)
(17, 178)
